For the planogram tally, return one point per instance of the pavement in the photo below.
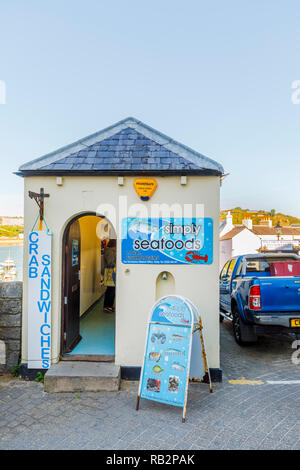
(246, 411)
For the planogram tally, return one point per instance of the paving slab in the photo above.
(82, 376)
(235, 416)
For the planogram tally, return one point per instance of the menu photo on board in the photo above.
(165, 371)
(166, 363)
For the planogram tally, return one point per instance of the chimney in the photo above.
(227, 226)
(266, 222)
(229, 218)
(247, 221)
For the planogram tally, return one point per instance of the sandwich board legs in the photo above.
(185, 401)
(199, 328)
(137, 403)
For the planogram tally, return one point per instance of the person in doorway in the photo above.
(110, 275)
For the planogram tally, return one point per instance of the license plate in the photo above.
(295, 322)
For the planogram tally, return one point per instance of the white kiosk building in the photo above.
(127, 180)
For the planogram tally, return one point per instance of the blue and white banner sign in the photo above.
(167, 240)
(39, 300)
(165, 371)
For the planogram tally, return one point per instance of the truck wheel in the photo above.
(236, 326)
(243, 334)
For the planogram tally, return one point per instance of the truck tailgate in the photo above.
(280, 294)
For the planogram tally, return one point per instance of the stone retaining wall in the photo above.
(10, 324)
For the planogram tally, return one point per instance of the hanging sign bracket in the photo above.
(39, 199)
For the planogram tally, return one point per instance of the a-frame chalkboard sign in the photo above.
(168, 352)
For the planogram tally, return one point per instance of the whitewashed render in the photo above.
(241, 243)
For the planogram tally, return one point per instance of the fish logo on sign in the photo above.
(145, 188)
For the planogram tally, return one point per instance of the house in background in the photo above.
(248, 238)
(239, 240)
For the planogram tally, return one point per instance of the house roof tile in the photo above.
(263, 230)
(232, 233)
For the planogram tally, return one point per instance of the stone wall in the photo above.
(10, 324)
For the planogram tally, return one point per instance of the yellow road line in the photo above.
(243, 381)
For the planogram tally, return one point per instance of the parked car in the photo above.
(258, 298)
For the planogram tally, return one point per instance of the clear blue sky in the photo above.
(214, 75)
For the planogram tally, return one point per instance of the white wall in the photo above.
(245, 242)
(136, 289)
(225, 252)
(268, 237)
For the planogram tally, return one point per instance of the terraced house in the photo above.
(249, 238)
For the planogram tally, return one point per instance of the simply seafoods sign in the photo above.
(39, 300)
(167, 240)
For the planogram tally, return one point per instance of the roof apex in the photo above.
(202, 162)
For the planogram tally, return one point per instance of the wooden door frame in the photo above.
(81, 357)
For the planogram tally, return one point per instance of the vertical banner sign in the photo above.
(39, 300)
(165, 372)
(167, 240)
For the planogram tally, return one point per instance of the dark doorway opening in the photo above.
(88, 330)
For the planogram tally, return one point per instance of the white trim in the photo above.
(283, 382)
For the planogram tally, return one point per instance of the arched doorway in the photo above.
(88, 285)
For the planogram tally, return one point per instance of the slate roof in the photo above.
(128, 146)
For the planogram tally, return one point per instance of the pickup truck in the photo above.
(257, 299)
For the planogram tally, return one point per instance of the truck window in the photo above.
(224, 271)
(257, 266)
(231, 268)
(239, 270)
(262, 265)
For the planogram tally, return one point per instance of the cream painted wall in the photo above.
(90, 263)
(136, 288)
(165, 285)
